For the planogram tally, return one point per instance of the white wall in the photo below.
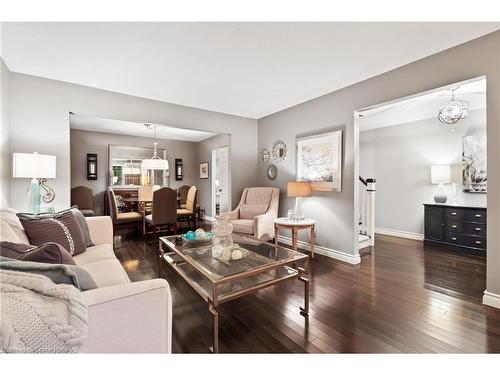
(5, 155)
(399, 158)
(83, 142)
(40, 122)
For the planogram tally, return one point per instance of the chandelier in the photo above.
(454, 111)
(155, 163)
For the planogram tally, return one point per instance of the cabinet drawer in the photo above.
(466, 240)
(465, 227)
(466, 215)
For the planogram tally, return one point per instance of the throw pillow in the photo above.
(249, 211)
(62, 229)
(58, 273)
(49, 252)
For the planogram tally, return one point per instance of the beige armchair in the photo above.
(255, 213)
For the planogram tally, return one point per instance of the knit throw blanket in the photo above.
(38, 316)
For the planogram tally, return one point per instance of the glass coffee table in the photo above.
(218, 279)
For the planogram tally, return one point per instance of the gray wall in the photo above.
(400, 156)
(40, 122)
(205, 185)
(5, 157)
(337, 213)
(83, 142)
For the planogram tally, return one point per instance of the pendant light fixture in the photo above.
(155, 163)
(454, 111)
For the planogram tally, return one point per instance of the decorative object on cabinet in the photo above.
(39, 168)
(319, 160)
(279, 151)
(440, 174)
(455, 227)
(204, 170)
(266, 155)
(91, 166)
(298, 190)
(474, 164)
(178, 169)
(272, 172)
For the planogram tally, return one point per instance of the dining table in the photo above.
(142, 207)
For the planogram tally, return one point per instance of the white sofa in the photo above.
(124, 316)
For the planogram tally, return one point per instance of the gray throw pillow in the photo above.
(58, 273)
(49, 252)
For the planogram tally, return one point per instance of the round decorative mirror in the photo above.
(272, 172)
(266, 155)
(279, 151)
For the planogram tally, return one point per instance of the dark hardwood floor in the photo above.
(401, 298)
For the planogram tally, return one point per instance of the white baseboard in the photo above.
(491, 299)
(335, 254)
(400, 233)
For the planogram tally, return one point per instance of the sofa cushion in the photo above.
(106, 272)
(60, 228)
(242, 226)
(11, 229)
(49, 252)
(95, 254)
(249, 211)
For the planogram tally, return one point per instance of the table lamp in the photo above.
(38, 167)
(299, 189)
(440, 174)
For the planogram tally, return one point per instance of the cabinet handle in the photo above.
(478, 229)
(454, 226)
(478, 242)
(453, 214)
(453, 238)
(478, 215)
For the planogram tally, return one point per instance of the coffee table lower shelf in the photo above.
(226, 290)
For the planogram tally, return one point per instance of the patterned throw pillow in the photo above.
(249, 211)
(49, 252)
(62, 229)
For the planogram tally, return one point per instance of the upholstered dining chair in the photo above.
(189, 212)
(164, 211)
(83, 197)
(121, 218)
(256, 212)
(145, 196)
(183, 193)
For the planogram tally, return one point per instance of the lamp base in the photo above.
(298, 214)
(440, 195)
(34, 197)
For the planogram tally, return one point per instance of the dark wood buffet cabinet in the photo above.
(457, 227)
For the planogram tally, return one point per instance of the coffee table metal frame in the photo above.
(214, 299)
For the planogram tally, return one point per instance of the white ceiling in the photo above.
(247, 69)
(104, 125)
(423, 106)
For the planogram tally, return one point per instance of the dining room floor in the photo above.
(402, 298)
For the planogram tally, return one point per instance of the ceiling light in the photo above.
(155, 163)
(454, 111)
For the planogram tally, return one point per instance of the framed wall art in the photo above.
(204, 170)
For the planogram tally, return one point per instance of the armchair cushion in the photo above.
(249, 211)
(243, 226)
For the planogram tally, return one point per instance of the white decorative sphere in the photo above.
(236, 254)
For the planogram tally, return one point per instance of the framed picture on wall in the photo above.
(319, 160)
(204, 170)
(474, 171)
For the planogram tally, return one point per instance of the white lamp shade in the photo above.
(33, 165)
(155, 164)
(440, 174)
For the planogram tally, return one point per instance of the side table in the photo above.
(295, 226)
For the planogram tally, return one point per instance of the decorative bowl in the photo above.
(198, 241)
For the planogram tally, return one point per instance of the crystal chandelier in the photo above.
(454, 111)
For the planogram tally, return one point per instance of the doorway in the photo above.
(220, 180)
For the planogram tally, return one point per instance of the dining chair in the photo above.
(183, 193)
(164, 211)
(145, 197)
(121, 218)
(189, 212)
(83, 197)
